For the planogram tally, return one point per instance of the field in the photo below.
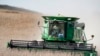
(18, 25)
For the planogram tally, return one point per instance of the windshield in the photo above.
(56, 29)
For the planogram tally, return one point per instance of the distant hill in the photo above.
(16, 8)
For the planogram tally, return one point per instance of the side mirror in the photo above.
(92, 36)
(38, 22)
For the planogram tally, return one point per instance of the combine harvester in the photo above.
(60, 33)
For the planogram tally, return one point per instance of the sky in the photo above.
(87, 10)
(53, 7)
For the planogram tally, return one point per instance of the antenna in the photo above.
(59, 14)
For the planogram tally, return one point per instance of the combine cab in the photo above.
(61, 33)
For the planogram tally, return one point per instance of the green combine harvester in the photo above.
(61, 33)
